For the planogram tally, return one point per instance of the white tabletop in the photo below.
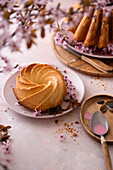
(35, 142)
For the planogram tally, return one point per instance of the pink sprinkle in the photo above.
(62, 138)
(64, 149)
(87, 115)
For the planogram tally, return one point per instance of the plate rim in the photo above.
(81, 119)
(91, 55)
(42, 116)
(84, 53)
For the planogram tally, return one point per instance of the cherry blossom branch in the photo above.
(3, 166)
(27, 17)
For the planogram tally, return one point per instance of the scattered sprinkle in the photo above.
(56, 121)
(68, 129)
(65, 71)
(64, 148)
(74, 134)
(62, 137)
(76, 122)
(100, 83)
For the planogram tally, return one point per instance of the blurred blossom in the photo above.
(27, 17)
(57, 14)
(20, 20)
(62, 137)
(101, 2)
(37, 113)
(40, 2)
(6, 147)
(62, 37)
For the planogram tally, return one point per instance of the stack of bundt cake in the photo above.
(40, 87)
(92, 25)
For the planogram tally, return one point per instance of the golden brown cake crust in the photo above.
(40, 87)
(104, 32)
(82, 28)
(92, 35)
(95, 27)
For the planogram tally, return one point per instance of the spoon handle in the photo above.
(106, 155)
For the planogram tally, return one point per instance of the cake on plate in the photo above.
(92, 25)
(40, 87)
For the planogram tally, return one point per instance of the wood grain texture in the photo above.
(106, 156)
(79, 65)
(90, 105)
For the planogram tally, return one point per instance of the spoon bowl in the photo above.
(99, 121)
(99, 126)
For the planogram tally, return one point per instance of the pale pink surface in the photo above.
(99, 129)
(87, 115)
(35, 143)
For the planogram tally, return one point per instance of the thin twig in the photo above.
(4, 166)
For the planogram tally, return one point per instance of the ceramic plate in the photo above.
(89, 106)
(11, 100)
(91, 55)
(78, 51)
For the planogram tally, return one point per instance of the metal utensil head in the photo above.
(98, 119)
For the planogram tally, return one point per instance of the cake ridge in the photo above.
(40, 86)
(102, 34)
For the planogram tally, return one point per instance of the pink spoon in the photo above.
(99, 126)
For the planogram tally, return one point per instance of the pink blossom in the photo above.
(60, 39)
(21, 66)
(25, 23)
(62, 137)
(71, 90)
(17, 104)
(6, 147)
(37, 113)
(64, 148)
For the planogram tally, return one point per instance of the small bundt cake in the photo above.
(92, 25)
(40, 87)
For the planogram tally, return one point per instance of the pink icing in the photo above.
(99, 129)
(87, 115)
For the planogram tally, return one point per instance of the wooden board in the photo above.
(90, 106)
(79, 65)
